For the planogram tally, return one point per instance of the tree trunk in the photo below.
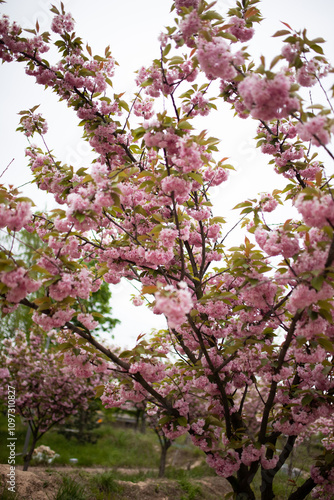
(143, 423)
(303, 490)
(241, 487)
(267, 485)
(165, 444)
(28, 456)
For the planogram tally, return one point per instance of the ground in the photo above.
(43, 484)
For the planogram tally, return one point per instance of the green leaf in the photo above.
(99, 390)
(165, 420)
(218, 219)
(197, 177)
(326, 344)
(275, 61)
(138, 133)
(182, 421)
(124, 105)
(326, 315)
(149, 289)
(211, 15)
(317, 282)
(281, 33)
(175, 60)
(167, 49)
(211, 420)
(307, 399)
(316, 48)
(185, 125)
(228, 36)
(126, 354)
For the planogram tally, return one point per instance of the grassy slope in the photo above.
(125, 448)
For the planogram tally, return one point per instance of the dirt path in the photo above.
(42, 484)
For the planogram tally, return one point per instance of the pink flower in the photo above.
(276, 243)
(180, 187)
(185, 3)
(318, 211)
(303, 296)
(144, 108)
(268, 99)
(174, 303)
(215, 176)
(314, 130)
(62, 23)
(88, 321)
(268, 202)
(137, 301)
(15, 218)
(190, 25)
(168, 237)
(216, 60)
(19, 284)
(239, 29)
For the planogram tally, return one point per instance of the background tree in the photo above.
(46, 391)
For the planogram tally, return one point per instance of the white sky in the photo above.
(131, 28)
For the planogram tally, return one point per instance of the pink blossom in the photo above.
(88, 321)
(268, 202)
(216, 60)
(15, 218)
(239, 30)
(159, 256)
(250, 454)
(178, 186)
(143, 108)
(188, 157)
(137, 301)
(62, 23)
(168, 237)
(304, 296)
(190, 25)
(290, 51)
(56, 320)
(226, 466)
(174, 303)
(185, 3)
(277, 242)
(314, 130)
(19, 284)
(317, 211)
(216, 176)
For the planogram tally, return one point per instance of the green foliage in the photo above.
(105, 485)
(5, 494)
(82, 423)
(193, 491)
(99, 306)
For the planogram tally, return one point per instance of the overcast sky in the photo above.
(131, 28)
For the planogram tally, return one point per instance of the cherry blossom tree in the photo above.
(255, 320)
(46, 390)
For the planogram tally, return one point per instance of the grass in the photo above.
(5, 494)
(192, 491)
(116, 447)
(125, 448)
(104, 486)
(70, 490)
